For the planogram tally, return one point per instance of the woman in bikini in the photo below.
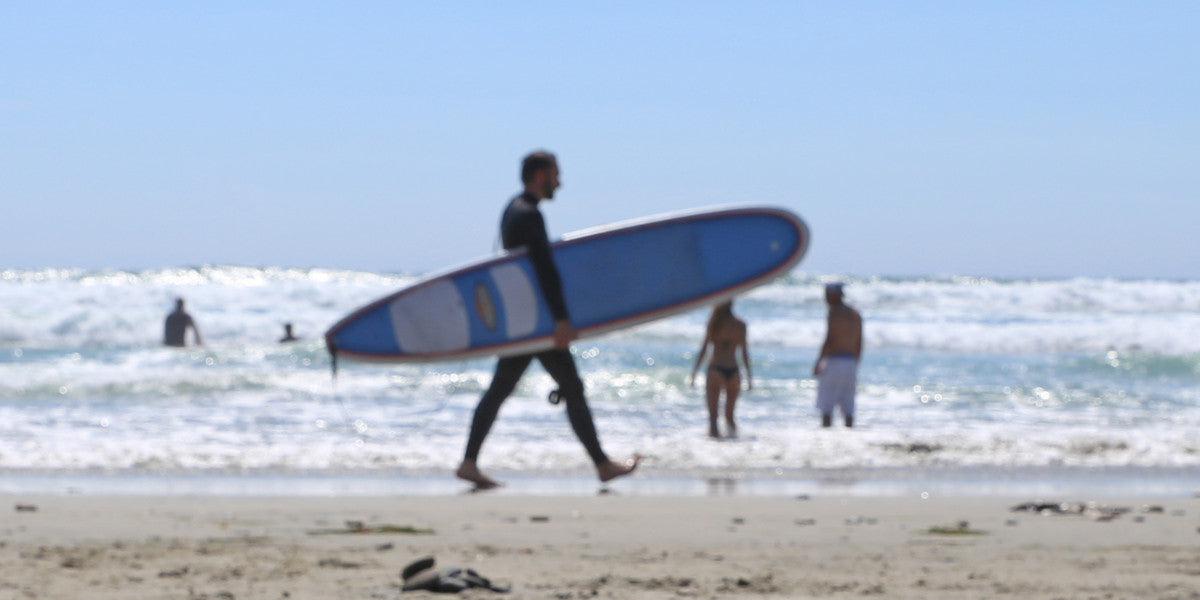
(725, 333)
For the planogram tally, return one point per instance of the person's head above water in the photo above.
(833, 292)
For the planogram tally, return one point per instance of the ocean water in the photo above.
(977, 385)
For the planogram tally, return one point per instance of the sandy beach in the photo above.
(604, 546)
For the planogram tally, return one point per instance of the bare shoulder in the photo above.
(844, 316)
(739, 326)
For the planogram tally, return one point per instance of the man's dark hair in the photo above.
(534, 162)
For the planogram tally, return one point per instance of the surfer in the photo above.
(288, 336)
(726, 334)
(522, 226)
(178, 322)
(837, 365)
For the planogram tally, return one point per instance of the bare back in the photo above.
(725, 342)
(845, 332)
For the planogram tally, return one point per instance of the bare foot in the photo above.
(611, 470)
(468, 471)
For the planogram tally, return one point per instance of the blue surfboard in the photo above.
(613, 277)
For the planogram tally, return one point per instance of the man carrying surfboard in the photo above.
(522, 226)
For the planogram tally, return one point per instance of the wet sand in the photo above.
(606, 546)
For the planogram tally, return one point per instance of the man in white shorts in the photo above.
(837, 365)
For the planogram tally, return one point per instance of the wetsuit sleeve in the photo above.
(545, 269)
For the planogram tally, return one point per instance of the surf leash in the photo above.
(333, 365)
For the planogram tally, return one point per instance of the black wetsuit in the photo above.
(522, 226)
(175, 329)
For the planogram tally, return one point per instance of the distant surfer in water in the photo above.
(837, 365)
(522, 226)
(178, 322)
(726, 334)
(288, 336)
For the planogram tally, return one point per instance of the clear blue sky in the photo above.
(976, 138)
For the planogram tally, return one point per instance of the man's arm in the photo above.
(858, 345)
(829, 325)
(551, 283)
(195, 331)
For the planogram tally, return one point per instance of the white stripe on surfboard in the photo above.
(518, 297)
(432, 318)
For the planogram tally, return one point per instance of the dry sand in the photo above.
(613, 546)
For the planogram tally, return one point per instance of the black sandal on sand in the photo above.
(420, 575)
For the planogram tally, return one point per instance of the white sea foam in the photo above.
(958, 373)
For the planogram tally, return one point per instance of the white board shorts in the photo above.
(836, 385)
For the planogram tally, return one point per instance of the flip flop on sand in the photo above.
(420, 575)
